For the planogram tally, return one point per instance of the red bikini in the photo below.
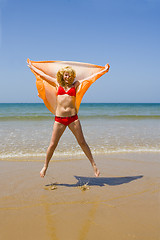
(66, 120)
(70, 92)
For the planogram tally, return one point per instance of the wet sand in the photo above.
(69, 203)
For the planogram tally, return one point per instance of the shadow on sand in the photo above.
(100, 181)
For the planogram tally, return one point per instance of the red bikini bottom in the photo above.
(66, 120)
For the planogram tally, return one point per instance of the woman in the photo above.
(66, 112)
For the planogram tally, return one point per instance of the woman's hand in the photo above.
(29, 64)
(107, 66)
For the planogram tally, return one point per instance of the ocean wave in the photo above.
(121, 117)
(82, 117)
(71, 154)
(26, 118)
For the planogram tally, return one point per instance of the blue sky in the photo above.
(123, 33)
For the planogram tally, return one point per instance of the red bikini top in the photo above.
(70, 92)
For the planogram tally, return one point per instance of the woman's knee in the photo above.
(52, 146)
(82, 142)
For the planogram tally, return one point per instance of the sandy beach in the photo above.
(69, 203)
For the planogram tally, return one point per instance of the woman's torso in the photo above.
(66, 101)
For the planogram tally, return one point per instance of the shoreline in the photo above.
(123, 203)
(79, 155)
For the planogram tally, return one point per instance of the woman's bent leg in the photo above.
(76, 129)
(58, 130)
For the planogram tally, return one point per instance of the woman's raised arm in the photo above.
(106, 69)
(49, 79)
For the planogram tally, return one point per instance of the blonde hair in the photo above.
(60, 73)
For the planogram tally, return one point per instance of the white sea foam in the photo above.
(23, 156)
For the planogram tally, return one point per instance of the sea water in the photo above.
(26, 129)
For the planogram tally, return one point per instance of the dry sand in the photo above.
(122, 204)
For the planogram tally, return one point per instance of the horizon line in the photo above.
(86, 103)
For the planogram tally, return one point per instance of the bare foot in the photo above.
(43, 172)
(96, 171)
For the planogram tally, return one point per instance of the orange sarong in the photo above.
(88, 72)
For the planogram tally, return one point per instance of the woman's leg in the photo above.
(76, 129)
(58, 130)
